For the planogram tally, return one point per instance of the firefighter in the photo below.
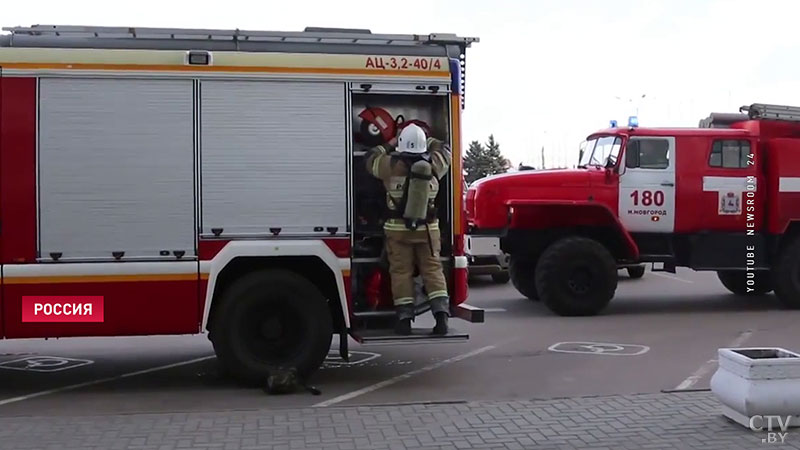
(410, 166)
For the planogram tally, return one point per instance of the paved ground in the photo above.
(523, 357)
(665, 421)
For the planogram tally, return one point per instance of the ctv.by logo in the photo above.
(773, 437)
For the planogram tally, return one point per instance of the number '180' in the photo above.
(648, 198)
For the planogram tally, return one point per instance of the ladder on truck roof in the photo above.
(310, 34)
(721, 120)
(772, 112)
(755, 111)
(310, 40)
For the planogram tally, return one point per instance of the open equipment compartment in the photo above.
(429, 104)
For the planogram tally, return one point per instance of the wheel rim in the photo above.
(580, 280)
(273, 331)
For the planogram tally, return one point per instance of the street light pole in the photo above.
(631, 99)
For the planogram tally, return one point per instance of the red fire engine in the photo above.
(178, 181)
(723, 197)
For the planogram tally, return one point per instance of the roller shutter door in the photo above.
(273, 156)
(116, 167)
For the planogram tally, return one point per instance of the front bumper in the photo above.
(487, 265)
(484, 255)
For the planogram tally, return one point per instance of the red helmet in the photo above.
(378, 126)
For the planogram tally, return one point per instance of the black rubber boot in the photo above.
(441, 323)
(403, 327)
(405, 314)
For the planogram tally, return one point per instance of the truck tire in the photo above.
(522, 277)
(576, 276)
(272, 318)
(501, 277)
(736, 282)
(786, 275)
(636, 272)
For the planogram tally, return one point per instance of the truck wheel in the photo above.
(501, 277)
(636, 272)
(522, 277)
(576, 276)
(786, 276)
(736, 282)
(268, 319)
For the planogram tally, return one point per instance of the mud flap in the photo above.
(344, 352)
(663, 267)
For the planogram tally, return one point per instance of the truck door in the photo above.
(2, 331)
(730, 176)
(647, 185)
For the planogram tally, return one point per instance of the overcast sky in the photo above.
(546, 73)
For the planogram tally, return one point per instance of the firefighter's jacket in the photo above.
(393, 171)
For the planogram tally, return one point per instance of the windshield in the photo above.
(601, 151)
(586, 149)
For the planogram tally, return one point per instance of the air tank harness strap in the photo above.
(430, 240)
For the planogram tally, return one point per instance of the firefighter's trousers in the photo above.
(407, 249)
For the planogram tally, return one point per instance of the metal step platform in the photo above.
(389, 337)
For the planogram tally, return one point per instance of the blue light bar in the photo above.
(633, 121)
(613, 124)
(455, 76)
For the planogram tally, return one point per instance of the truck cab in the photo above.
(720, 197)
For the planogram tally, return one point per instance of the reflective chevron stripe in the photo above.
(398, 225)
(436, 294)
(404, 301)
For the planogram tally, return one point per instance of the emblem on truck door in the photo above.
(730, 203)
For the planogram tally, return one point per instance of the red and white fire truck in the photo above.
(722, 197)
(179, 181)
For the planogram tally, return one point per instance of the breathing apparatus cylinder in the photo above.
(416, 209)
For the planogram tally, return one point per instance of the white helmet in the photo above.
(412, 140)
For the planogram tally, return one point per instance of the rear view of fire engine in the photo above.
(724, 197)
(179, 181)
